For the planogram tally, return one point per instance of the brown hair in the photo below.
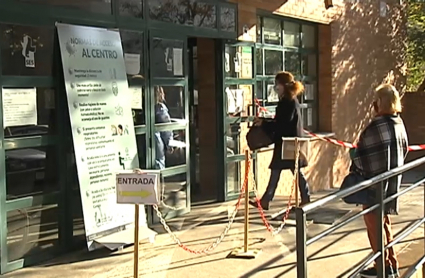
(291, 87)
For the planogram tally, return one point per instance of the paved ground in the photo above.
(333, 256)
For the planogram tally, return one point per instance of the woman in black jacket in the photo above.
(287, 123)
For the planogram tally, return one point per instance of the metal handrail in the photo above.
(301, 218)
(363, 185)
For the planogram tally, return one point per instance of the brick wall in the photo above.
(415, 125)
(358, 50)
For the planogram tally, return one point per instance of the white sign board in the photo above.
(19, 107)
(135, 188)
(102, 124)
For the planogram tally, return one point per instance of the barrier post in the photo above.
(246, 224)
(297, 197)
(245, 252)
(136, 241)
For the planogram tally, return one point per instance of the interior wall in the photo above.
(207, 117)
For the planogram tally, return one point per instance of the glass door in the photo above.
(169, 135)
(239, 91)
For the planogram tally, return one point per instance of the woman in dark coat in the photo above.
(287, 123)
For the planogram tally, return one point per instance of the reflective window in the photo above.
(238, 62)
(26, 50)
(138, 105)
(273, 60)
(133, 45)
(31, 171)
(233, 183)
(190, 12)
(167, 58)
(228, 19)
(308, 36)
(272, 31)
(169, 104)
(95, 6)
(141, 150)
(28, 112)
(174, 192)
(298, 55)
(32, 231)
(259, 28)
(309, 65)
(239, 100)
(291, 34)
(293, 62)
(132, 8)
(259, 55)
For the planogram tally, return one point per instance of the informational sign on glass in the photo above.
(103, 133)
(19, 107)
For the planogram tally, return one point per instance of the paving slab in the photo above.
(333, 256)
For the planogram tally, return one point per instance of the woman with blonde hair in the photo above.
(287, 123)
(384, 139)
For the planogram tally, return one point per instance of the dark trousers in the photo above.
(274, 181)
(371, 221)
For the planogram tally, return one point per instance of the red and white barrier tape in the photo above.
(338, 142)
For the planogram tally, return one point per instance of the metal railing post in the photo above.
(301, 238)
(379, 229)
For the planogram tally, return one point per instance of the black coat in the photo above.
(287, 123)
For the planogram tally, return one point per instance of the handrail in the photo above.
(301, 218)
(363, 185)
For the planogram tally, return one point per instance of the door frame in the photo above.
(182, 125)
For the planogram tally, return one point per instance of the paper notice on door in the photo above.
(137, 97)
(178, 61)
(132, 63)
(19, 107)
(227, 62)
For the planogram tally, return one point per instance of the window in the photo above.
(96, 6)
(131, 8)
(290, 46)
(26, 50)
(228, 19)
(192, 12)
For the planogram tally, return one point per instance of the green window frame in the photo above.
(294, 45)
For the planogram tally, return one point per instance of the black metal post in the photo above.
(380, 264)
(301, 238)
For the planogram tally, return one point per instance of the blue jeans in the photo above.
(274, 181)
(160, 163)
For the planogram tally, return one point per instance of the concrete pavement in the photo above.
(332, 256)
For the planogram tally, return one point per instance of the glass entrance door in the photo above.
(169, 132)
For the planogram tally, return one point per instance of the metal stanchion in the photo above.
(136, 241)
(246, 224)
(245, 252)
(297, 197)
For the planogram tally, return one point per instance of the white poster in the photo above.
(102, 125)
(178, 61)
(272, 95)
(132, 63)
(137, 97)
(135, 188)
(19, 107)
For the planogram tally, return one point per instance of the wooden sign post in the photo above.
(138, 187)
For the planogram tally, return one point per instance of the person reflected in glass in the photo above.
(288, 122)
(162, 138)
(385, 138)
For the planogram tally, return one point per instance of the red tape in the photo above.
(335, 141)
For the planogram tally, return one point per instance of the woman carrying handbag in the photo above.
(287, 123)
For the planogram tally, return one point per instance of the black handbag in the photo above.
(257, 138)
(360, 197)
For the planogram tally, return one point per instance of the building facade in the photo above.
(230, 51)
